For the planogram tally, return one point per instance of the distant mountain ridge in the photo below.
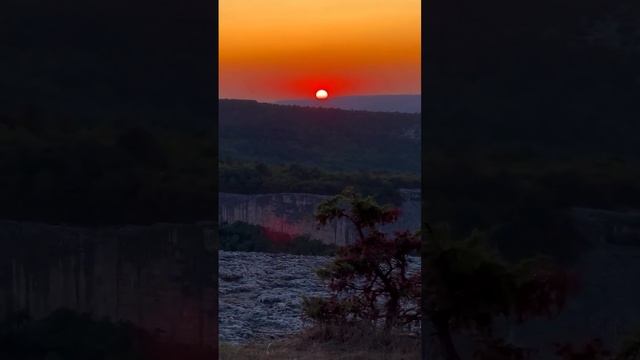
(385, 103)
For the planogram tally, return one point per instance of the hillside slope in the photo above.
(327, 138)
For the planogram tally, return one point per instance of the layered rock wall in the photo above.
(161, 277)
(292, 213)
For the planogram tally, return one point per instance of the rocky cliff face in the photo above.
(161, 277)
(292, 213)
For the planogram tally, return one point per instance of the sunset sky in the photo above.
(287, 49)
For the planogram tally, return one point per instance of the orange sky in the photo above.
(283, 49)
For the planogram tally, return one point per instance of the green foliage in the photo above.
(630, 348)
(468, 281)
(523, 205)
(248, 177)
(544, 120)
(93, 171)
(102, 171)
(92, 139)
(364, 212)
(240, 236)
(468, 286)
(472, 281)
(542, 123)
(368, 280)
(329, 312)
(327, 138)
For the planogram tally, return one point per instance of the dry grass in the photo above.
(315, 345)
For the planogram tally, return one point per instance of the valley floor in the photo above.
(260, 294)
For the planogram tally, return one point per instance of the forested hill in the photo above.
(328, 138)
(531, 108)
(107, 111)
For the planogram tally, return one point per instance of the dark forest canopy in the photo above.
(94, 171)
(257, 178)
(77, 170)
(70, 169)
(542, 115)
(328, 138)
(524, 204)
(530, 109)
(107, 111)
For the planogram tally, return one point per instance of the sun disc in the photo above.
(322, 94)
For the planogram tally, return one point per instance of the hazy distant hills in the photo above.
(327, 138)
(387, 103)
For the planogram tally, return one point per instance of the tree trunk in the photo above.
(393, 308)
(441, 323)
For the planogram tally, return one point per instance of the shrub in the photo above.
(369, 279)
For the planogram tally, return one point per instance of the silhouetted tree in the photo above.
(630, 349)
(369, 279)
(467, 287)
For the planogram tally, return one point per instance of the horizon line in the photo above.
(312, 98)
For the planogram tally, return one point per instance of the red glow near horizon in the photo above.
(282, 85)
(308, 86)
(281, 231)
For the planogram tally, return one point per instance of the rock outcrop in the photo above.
(161, 277)
(292, 213)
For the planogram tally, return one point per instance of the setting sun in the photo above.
(322, 94)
